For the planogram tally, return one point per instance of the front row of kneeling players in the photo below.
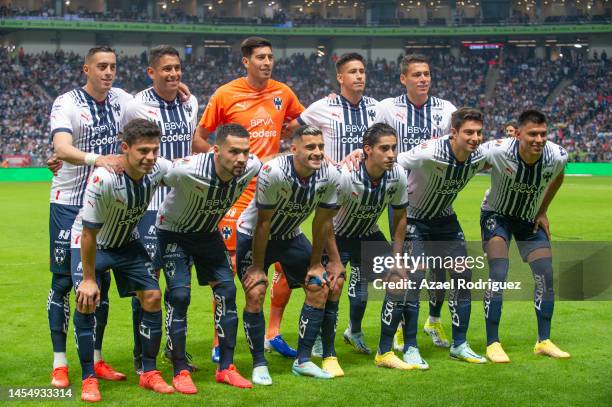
(289, 189)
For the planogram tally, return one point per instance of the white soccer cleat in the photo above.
(261, 376)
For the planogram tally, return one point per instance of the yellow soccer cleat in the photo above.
(330, 365)
(398, 339)
(435, 330)
(548, 348)
(496, 354)
(389, 360)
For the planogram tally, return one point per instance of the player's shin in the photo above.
(58, 311)
(136, 319)
(436, 297)
(178, 300)
(328, 328)
(254, 329)
(309, 326)
(544, 295)
(460, 306)
(84, 335)
(390, 317)
(493, 300)
(150, 331)
(226, 321)
(358, 298)
(101, 315)
(279, 297)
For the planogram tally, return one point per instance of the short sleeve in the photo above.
(312, 116)
(213, 113)
(61, 112)
(412, 159)
(294, 107)
(385, 109)
(399, 199)
(176, 171)
(95, 205)
(344, 186)
(450, 109)
(329, 200)
(193, 102)
(268, 181)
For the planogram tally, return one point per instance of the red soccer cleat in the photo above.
(59, 377)
(233, 378)
(182, 383)
(106, 372)
(90, 391)
(153, 380)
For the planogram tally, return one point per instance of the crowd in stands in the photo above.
(292, 17)
(580, 115)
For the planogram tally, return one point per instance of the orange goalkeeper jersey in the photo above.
(262, 112)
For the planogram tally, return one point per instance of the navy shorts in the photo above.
(495, 224)
(61, 218)
(349, 249)
(148, 237)
(292, 254)
(132, 268)
(206, 250)
(441, 236)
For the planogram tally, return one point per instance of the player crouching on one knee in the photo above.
(289, 189)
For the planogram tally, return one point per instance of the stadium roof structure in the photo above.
(18, 24)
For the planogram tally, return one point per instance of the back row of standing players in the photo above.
(86, 124)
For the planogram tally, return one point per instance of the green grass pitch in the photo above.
(582, 211)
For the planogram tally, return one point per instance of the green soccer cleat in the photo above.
(465, 353)
(435, 330)
(356, 340)
(309, 369)
(413, 357)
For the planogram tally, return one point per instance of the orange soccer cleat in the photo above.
(106, 372)
(90, 391)
(233, 378)
(153, 380)
(182, 383)
(59, 377)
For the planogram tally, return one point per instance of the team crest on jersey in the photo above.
(266, 169)
(547, 176)
(437, 118)
(116, 107)
(188, 109)
(151, 249)
(491, 224)
(59, 255)
(278, 103)
(371, 114)
(170, 269)
(226, 231)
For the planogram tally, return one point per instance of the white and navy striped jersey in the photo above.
(198, 198)
(292, 199)
(342, 123)
(363, 200)
(115, 204)
(517, 189)
(414, 124)
(177, 121)
(94, 127)
(436, 177)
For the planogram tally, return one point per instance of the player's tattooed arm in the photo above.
(200, 142)
(541, 220)
(65, 151)
(255, 272)
(88, 293)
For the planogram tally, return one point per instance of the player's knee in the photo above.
(179, 297)
(151, 300)
(497, 247)
(255, 297)
(316, 295)
(225, 295)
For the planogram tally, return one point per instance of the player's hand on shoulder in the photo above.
(184, 92)
(54, 164)
(112, 162)
(353, 160)
(87, 296)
